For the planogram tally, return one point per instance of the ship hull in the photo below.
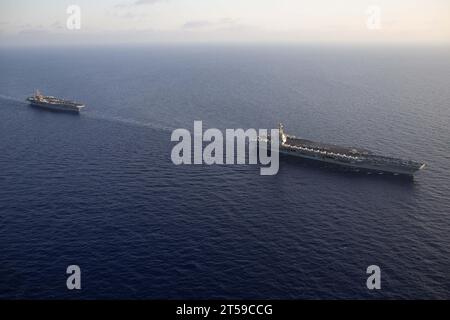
(350, 157)
(57, 107)
(366, 166)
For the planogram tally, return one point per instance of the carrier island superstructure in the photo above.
(356, 158)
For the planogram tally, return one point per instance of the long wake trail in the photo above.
(104, 117)
(12, 99)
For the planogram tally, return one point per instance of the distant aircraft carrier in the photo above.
(350, 157)
(53, 103)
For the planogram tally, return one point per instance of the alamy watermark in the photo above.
(374, 280)
(373, 21)
(73, 21)
(238, 143)
(74, 279)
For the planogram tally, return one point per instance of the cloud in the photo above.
(204, 24)
(197, 24)
(138, 3)
(120, 12)
(129, 15)
(57, 25)
(33, 32)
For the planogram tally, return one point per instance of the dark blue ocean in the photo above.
(99, 190)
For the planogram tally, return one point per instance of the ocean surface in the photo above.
(99, 190)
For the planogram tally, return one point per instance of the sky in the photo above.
(291, 21)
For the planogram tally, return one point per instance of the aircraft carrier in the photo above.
(53, 103)
(356, 158)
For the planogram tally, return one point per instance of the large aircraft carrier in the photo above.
(53, 103)
(346, 156)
